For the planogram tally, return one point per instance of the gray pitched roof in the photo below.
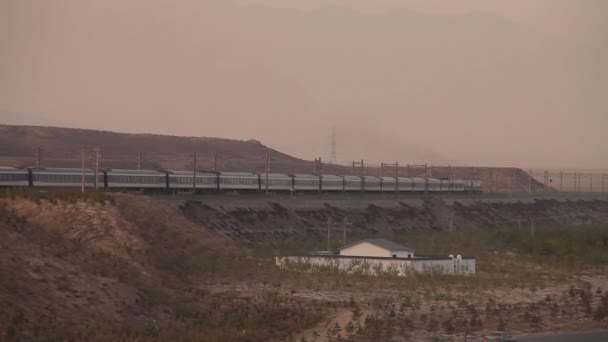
(386, 244)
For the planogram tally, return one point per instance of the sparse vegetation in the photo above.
(54, 196)
(181, 282)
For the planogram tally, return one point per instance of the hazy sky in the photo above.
(485, 82)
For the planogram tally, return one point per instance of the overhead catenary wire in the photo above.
(539, 180)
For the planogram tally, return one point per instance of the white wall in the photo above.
(372, 266)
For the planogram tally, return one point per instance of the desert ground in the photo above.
(119, 266)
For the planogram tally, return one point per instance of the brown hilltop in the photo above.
(62, 146)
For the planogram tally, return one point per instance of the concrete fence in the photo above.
(375, 266)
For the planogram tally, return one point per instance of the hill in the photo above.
(61, 147)
(122, 268)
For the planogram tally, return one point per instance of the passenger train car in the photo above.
(64, 177)
(12, 176)
(231, 181)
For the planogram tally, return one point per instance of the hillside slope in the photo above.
(61, 148)
(308, 220)
(126, 268)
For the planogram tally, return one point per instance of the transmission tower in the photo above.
(334, 154)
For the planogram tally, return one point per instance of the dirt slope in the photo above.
(102, 268)
(262, 220)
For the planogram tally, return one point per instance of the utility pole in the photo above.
(532, 228)
(320, 166)
(39, 158)
(82, 174)
(194, 174)
(362, 165)
(381, 170)
(354, 174)
(362, 177)
(426, 179)
(512, 180)
(140, 159)
(267, 170)
(329, 234)
(96, 166)
(215, 162)
(519, 221)
(344, 233)
(396, 178)
(320, 175)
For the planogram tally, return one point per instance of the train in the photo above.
(182, 181)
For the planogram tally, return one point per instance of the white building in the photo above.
(377, 248)
(378, 257)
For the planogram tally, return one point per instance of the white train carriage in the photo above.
(136, 179)
(419, 184)
(276, 181)
(458, 185)
(304, 182)
(477, 186)
(434, 184)
(352, 183)
(372, 183)
(445, 184)
(332, 183)
(12, 176)
(388, 184)
(406, 184)
(65, 177)
(182, 180)
(239, 181)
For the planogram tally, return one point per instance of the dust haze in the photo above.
(514, 83)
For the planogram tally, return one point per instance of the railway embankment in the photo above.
(259, 219)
